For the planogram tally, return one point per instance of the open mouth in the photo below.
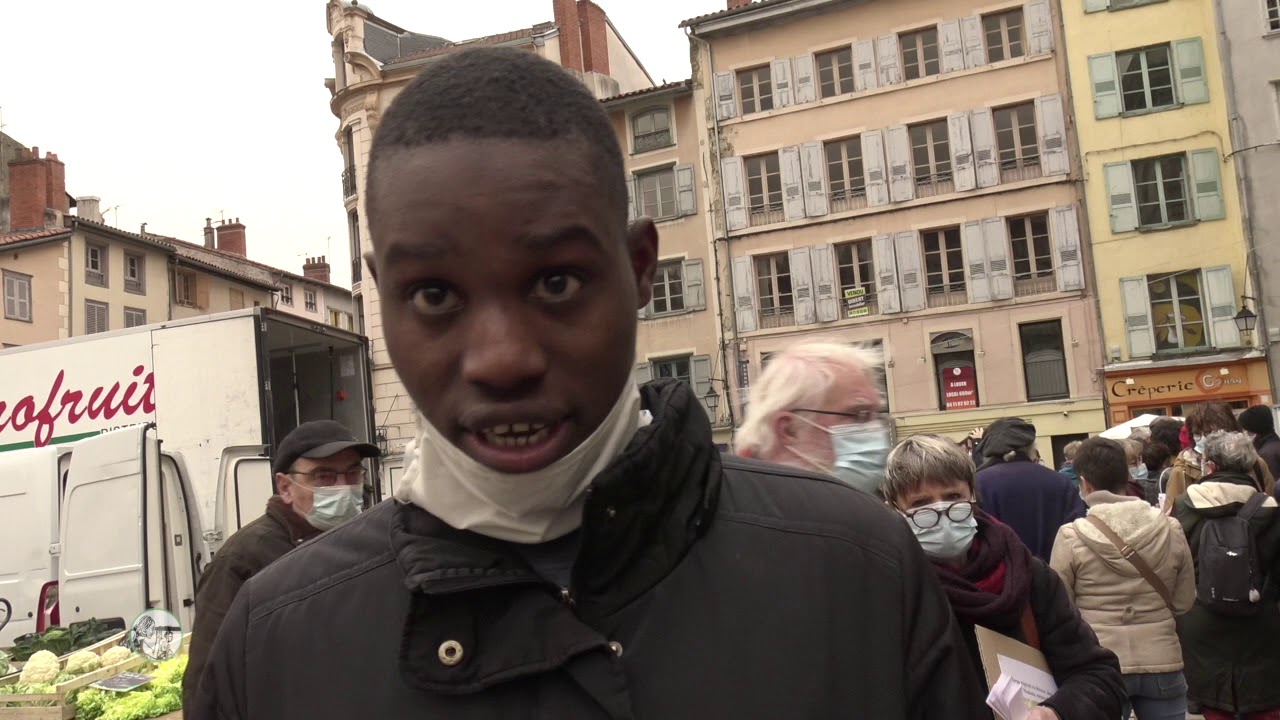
(518, 447)
(516, 435)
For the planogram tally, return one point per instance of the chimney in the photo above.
(87, 208)
(595, 37)
(566, 15)
(37, 190)
(231, 238)
(208, 233)
(316, 269)
(738, 3)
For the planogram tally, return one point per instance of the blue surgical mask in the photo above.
(332, 506)
(1199, 444)
(1139, 472)
(949, 539)
(860, 452)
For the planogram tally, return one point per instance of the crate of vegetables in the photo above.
(47, 684)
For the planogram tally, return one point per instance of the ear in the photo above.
(284, 488)
(785, 426)
(1085, 485)
(373, 267)
(642, 247)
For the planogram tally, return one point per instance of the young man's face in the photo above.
(509, 287)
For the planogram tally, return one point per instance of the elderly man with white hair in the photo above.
(816, 406)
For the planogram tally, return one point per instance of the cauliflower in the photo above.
(42, 668)
(82, 662)
(117, 654)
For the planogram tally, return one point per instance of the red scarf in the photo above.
(994, 585)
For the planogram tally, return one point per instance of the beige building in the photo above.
(901, 175)
(373, 60)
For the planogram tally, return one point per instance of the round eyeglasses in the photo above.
(928, 517)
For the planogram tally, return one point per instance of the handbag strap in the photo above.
(1030, 633)
(1128, 553)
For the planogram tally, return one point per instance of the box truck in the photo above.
(128, 457)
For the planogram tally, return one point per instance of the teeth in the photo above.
(520, 428)
(516, 435)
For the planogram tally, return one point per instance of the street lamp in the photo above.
(1246, 319)
(712, 399)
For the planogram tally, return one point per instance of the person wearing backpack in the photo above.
(1231, 638)
(1129, 570)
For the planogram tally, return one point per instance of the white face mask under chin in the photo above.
(527, 508)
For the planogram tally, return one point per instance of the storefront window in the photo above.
(956, 373)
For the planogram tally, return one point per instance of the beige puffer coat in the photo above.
(1128, 615)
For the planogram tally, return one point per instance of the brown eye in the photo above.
(435, 300)
(557, 287)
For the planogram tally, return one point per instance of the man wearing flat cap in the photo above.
(1014, 487)
(319, 478)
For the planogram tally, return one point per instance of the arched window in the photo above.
(955, 370)
(651, 129)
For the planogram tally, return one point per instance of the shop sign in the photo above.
(1179, 384)
(960, 388)
(855, 303)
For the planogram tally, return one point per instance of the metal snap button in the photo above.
(450, 652)
(611, 512)
(616, 647)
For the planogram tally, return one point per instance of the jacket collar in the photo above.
(1103, 497)
(297, 526)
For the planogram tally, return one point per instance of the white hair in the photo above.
(1230, 451)
(800, 376)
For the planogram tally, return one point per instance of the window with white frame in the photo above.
(668, 287)
(135, 273)
(1032, 254)
(920, 56)
(658, 193)
(755, 87)
(1017, 142)
(1146, 78)
(17, 296)
(846, 179)
(931, 152)
(134, 317)
(944, 267)
(1161, 186)
(1005, 39)
(309, 298)
(1177, 310)
(835, 72)
(651, 130)
(1273, 15)
(286, 294)
(95, 264)
(677, 368)
(856, 268)
(773, 286)
(96, 317)
(764, 189)
(184, 288)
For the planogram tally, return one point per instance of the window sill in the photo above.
(18, 319)
(650, 151)
(1151, 111)
(136, 292)
(1049, 398)
(672, 314)
(96, 284)
(1168, 226)
(1135, 5)
(1271, 35)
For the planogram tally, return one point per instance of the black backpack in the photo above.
(1230, 578)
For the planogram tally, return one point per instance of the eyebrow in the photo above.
(436, 248)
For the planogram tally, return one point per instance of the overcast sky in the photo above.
(174, 112)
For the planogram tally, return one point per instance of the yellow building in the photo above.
(1164, 212)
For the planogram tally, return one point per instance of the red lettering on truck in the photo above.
(103, 403)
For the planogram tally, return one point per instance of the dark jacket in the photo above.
(1032, 499)
(1268, 447)
(1232, 662)
(242, 556)
(705, 587)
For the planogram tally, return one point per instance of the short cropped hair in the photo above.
(923, 459)
(492, 93)
(1069, 452)
(1230, 452)
(1103, 463)
(1208, 417)
(1155, 455)
(799, 376)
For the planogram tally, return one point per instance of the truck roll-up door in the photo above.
(103, 560)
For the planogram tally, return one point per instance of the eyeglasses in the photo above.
(858, 417)
(329, 478)
(928, 517)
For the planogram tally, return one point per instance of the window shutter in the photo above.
(995, 234)
(726, 96)
(24, 298)
(700, 369)
(864, 59)
(1192, 84)
(952, 46)
(1096, 5)
(873, 164)
(735, 193)
(1124, 212)
(902, 182)
(802, 286)
(202, 292)
(686, 190)
(906, 246)
(982, 126)
(975, 51)
(805, 90)
(792, 182)
(1053, 135)
(1039, 25)
(887, 60)
(813, 165)
(1137, 316)
(975, 262)
(886, 274)
(633, 211)
(824, 281)
(1064, 225)
(961, 152)
(1106, 90)
(744, 295)
(1208, 184)
(1220, 295)
(644, 373)
(695, 296)
(781, 69)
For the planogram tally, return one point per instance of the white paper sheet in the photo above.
(1037, 685)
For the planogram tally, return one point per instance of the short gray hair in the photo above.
(922, 459)
(1230, 451)
(798, 376)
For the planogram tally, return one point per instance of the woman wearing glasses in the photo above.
(993, 581)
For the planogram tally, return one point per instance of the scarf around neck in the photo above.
(994, 585)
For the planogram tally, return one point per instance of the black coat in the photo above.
(1268, 447)
(706, 587)
(1030, 498)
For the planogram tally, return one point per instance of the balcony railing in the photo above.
(357, 269)
(848, 200)
(767, 214)
(1019, 170)
(349, 182)
(944, 297)
(1024, 286)
(935, 185)
(777, 317)
(652, 141)
(133, 286)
